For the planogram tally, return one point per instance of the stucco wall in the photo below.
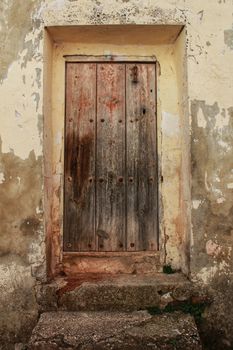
(209, 85)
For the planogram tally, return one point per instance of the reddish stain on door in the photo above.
(111, 182)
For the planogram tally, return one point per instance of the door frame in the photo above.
(72, 263)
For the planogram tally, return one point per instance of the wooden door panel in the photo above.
(141, 155)
(110, 196)
(79, 219)
(110, 157)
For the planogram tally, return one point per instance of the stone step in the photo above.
(116, 293)
(114, 330)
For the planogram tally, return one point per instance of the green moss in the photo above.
(196, 310)
(173, 342)
(168, 269)
(155, 310)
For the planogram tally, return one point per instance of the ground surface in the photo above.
(114, 330)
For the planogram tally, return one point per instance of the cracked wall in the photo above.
(21, 209)
(208, 27)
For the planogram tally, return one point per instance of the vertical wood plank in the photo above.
(141, 157)
(79, 196)
(110, 157)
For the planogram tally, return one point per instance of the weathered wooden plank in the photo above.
(79, 211)
(110, 157)
(141, 157)
(109, 58)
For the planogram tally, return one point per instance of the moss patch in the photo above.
(196, 310)
(168, 269)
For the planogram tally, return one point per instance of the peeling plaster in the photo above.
(212, 248)
(208, 45)
(22, 106)
(226, 147)
(21, 192)
(16, 21)
(211, 173)
(13, 276)
(170, 124)
(207, 186)
(196, 203)
(205, 275)
(221, 200)
(2, 178)
(228, 38)
(201, 121)
(222, 120)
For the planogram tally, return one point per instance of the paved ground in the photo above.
(114, 330)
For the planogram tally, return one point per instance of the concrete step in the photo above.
(115, 330)
(116, 293)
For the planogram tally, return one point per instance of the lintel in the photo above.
(109, 58)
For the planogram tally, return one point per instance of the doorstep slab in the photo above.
(121, 292)
(103, 292)
(114, 330)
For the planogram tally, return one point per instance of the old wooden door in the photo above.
(111, 184)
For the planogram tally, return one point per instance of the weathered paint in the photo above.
(169, 146)
(228, 38)
(204, 84)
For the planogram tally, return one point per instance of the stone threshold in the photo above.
(121, 292)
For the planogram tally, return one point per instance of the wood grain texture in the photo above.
(111, 183)
(141, 157)
(110, 156)
(79, 196)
